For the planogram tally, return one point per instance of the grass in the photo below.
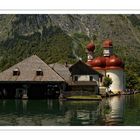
(89, 97)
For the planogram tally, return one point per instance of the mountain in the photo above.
(61, 38)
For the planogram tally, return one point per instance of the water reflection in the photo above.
(35, 112)
(114, 110)
(48, 112)
(84, 112)
(109, 111)
(132, 110)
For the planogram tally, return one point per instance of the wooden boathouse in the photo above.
(80, 78)
(30, 78)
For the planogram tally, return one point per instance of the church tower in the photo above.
(90, 50)
(109, 65)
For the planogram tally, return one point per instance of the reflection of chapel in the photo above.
(109, 65)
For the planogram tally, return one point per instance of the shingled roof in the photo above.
(62, 70)
(28, 68)
(83, 69)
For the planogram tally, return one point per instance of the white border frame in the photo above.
(69, 7)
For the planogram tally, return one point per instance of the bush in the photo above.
(107, 82)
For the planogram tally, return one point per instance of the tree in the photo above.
(107, 82)
(132, 80)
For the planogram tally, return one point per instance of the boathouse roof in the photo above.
(30, 69)
(62, 70)
(80, 68)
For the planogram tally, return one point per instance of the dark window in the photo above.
(16, 72)
(91, 78)
(39, 72)
(75, 78)
(101, 79)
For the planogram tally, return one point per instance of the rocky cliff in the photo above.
(60, 38)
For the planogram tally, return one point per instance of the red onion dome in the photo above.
(99, 62)
(114, 62)
(90, 47)
(107, 43)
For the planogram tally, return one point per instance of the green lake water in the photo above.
(117, 110)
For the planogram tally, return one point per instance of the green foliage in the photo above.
(52, 46)
(22, 36)
(132, 80)
(107, 82)
(134, 20)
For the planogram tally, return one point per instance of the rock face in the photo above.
(49, 35)
(120, 28)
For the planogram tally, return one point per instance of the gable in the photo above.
(80, 68)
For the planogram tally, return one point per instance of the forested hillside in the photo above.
(61, 38)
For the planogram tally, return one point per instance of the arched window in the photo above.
(75, 78)
(91, 78)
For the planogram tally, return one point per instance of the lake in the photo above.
(117, 110)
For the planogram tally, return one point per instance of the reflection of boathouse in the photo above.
(84, 113)
(48, 112)
(31, 77)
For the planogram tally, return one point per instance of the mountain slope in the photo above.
(63, 37)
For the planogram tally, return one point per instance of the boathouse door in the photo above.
(21, 93)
